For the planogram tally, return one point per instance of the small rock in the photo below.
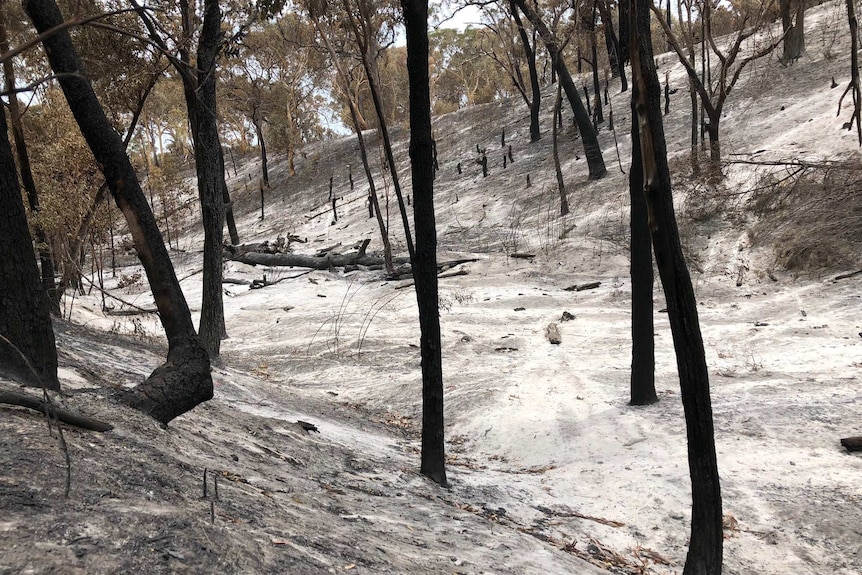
(553, 334)
(567, 316)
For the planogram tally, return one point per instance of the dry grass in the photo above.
(812, 216)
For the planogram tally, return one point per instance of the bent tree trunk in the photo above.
(592, 150)
(425, 269)
(25, 320)
(184, 380)
(706, 540)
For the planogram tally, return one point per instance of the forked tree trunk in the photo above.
(615, 52)
(705, 544)
(592, 150)
(535, 89)
(184, 380)
(425, 270)
(25, 320)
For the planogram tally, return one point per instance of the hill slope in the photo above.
(549, 466)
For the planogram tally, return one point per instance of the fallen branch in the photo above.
(73, 419)
(847, 275)
(130, 312)
(852, 443)
(582, 287)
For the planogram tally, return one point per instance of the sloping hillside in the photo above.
(550, 468)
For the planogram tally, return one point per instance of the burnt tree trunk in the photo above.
(46, 261)
(363, 152)
(184, 380)
(210, 175)
(365, 42)
(25, 318)
(228, 205)
(643, 342)
(612, 42)
(425, 270)
(794, 30)
(535, 89)
(264, 165)
(597, 89)
(561, 184)
(706, 540)
(592, 149)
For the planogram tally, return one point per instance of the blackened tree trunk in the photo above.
(25, 319)
(184, 380)
(535, 89)
(425, 270)
(264, 163)
(228, 205)
(46, 261)
(612, 42)
(597, 89)
(794, 30)
(210, 174)
(705, 544)
(561, 183)
(592, 150)
(643, 341)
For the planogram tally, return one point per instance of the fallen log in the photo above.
(73, 419)
(131, 312)
(324, 262)
(522, 256)
(852, 443)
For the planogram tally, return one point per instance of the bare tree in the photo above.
(853, 85)
(713, 96)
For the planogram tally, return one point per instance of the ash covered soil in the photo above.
(551, 471)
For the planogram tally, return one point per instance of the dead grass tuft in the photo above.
(812, 217)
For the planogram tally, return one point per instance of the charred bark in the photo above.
(705, 544)
(211, 184)
(184, 380)
(794, 29)
(643, 341)
(25, 319)
(433, 463)
(535, 89)
(46, 261)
